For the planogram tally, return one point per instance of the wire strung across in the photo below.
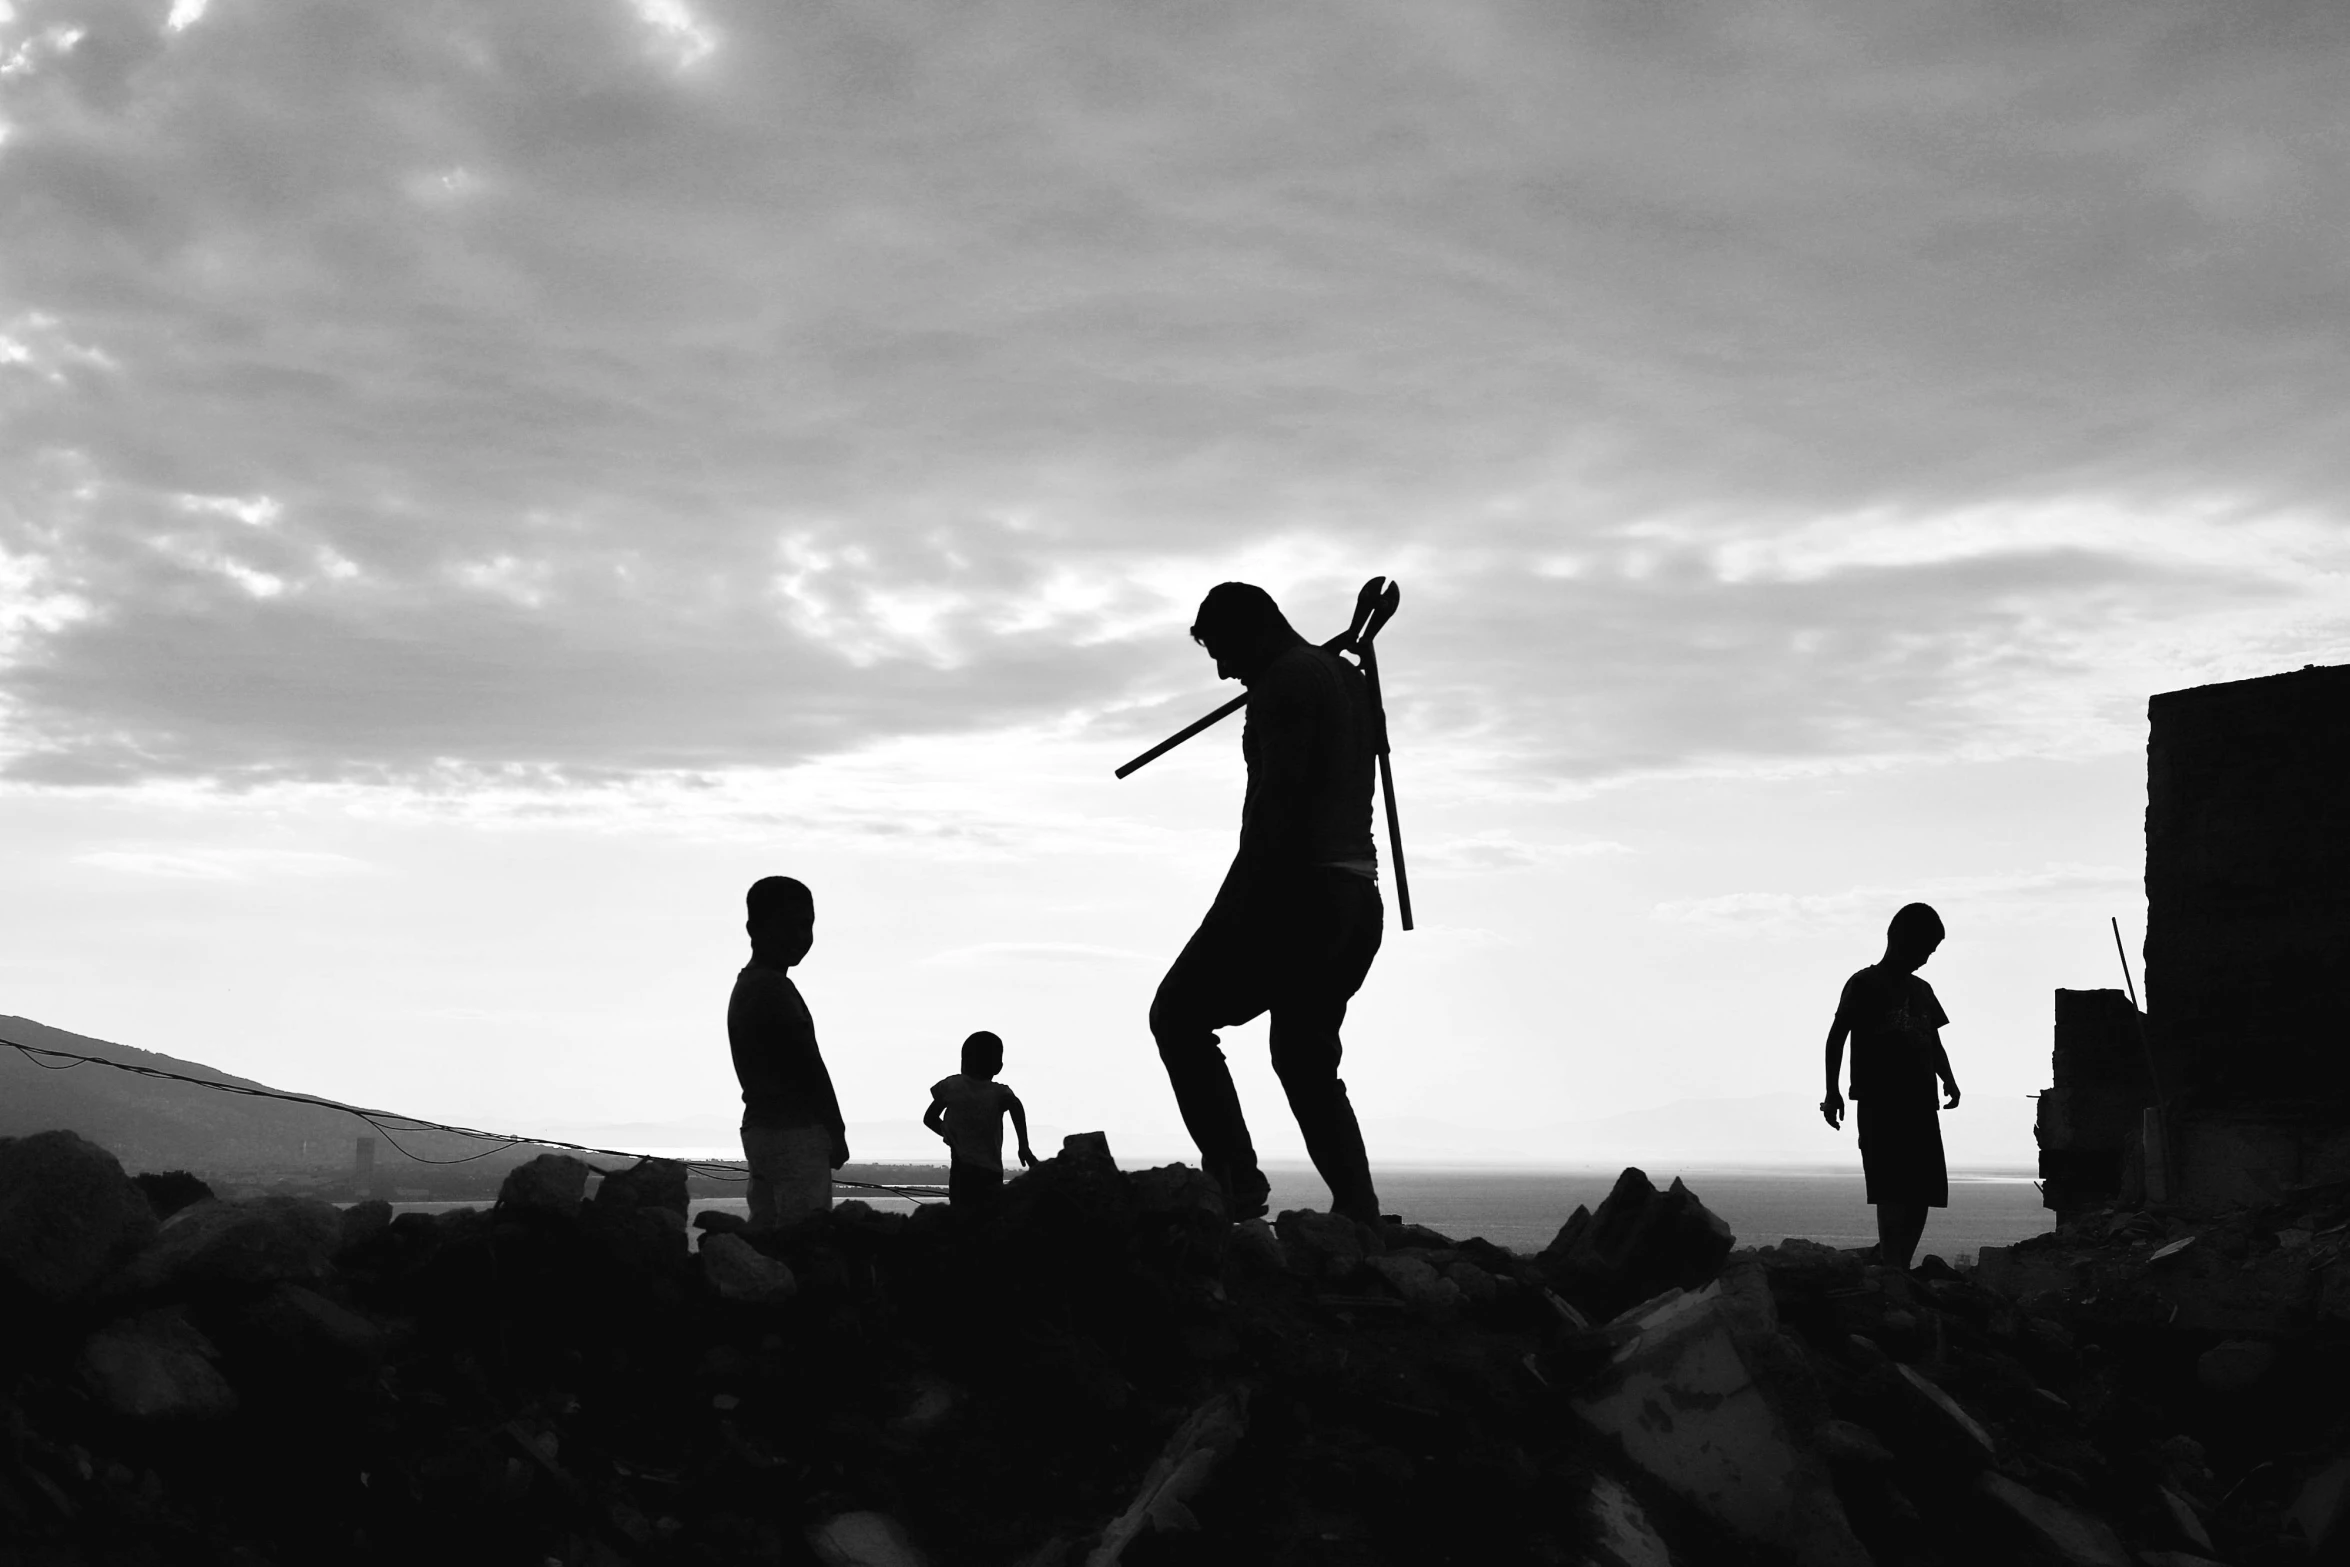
(412, 1124)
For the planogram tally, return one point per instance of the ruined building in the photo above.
(2235, 1082)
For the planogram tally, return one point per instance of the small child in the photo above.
(968, 1111)
(1895, 1025)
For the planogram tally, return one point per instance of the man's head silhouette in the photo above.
(1242, 629)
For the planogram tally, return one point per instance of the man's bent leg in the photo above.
(1204, 990)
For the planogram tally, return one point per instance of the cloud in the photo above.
(222, 864)
(635, 388)
(1780, 913)
(991, 953)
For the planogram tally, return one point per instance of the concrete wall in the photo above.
(2248, 894)
(2088, 1120)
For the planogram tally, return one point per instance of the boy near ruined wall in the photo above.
(1895, 1023)
(968, 1110)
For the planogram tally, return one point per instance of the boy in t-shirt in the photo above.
(968, 1110)
(1895, 1022)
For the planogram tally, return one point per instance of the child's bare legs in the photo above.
(1900, 1225)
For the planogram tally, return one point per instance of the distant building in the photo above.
(2243, 1053)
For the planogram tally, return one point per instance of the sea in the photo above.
(1523, 1209)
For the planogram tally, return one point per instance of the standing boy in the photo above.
(1894, 1023)
(968, 1110)
(793, 1136)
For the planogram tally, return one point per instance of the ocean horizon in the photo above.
(1523, 1209)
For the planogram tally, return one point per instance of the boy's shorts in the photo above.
(974, 1185)
(791, 1173)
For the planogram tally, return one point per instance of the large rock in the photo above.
(304, 1326)
(235, 1243)
(1702, 1395)
(1639, 1244)
(650, 1183)
(864, 1540)
(551, 1183)
(740, 1272)
(156, 1366)
(1620, 1533)
(171, 1190)
(2062, 1532)
(1327, 1246)
(67, 1213)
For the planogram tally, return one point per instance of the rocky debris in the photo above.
(740, 1273)
(649, 1183)
(67, 1214)
(2065, 1533)
(1106, 1369)
(1700, 1405)
(1639, 1244)
(550, 1183)
(1206, 1437)
(232, 1243)
(157, 1366)
(864, 1539)
(171, 1191)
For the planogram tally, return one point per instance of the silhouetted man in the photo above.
(1895, 1025)
(1297, 921)
(793, 1137)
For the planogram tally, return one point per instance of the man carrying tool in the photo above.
(1298, 919)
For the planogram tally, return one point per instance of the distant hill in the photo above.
(154, 1125)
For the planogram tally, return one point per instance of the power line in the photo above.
(412, 1124)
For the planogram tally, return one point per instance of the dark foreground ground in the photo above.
(1109, 1371)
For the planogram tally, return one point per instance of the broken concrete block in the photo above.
(305, 1325)
(156, 1366)
(1176, 1188)
(741, 1273)
(552, 1183)
(2071, 1536)
(1640, 1243)
(2019, 1274)
(1962, 1428)
(649, 1183)
(2184, 1518)
(2235, 1365)
(864, 1540)
(1088, 1148)
(2324, 1498)
(1183, 1466)
(67, 1213)
(1421, 1286)
(1682, 1398)
(1621, 1535)
(1846, 1444)
(1322, 1245)
(237, 1242)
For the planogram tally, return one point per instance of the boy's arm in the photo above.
(1832, 1106)
(1019, 1114)
(1949, 1078)
(935, 1118)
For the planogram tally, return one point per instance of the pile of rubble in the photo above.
(1104, 1371)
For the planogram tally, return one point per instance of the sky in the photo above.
(481, 484)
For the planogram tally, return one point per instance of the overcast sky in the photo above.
(480, 484)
